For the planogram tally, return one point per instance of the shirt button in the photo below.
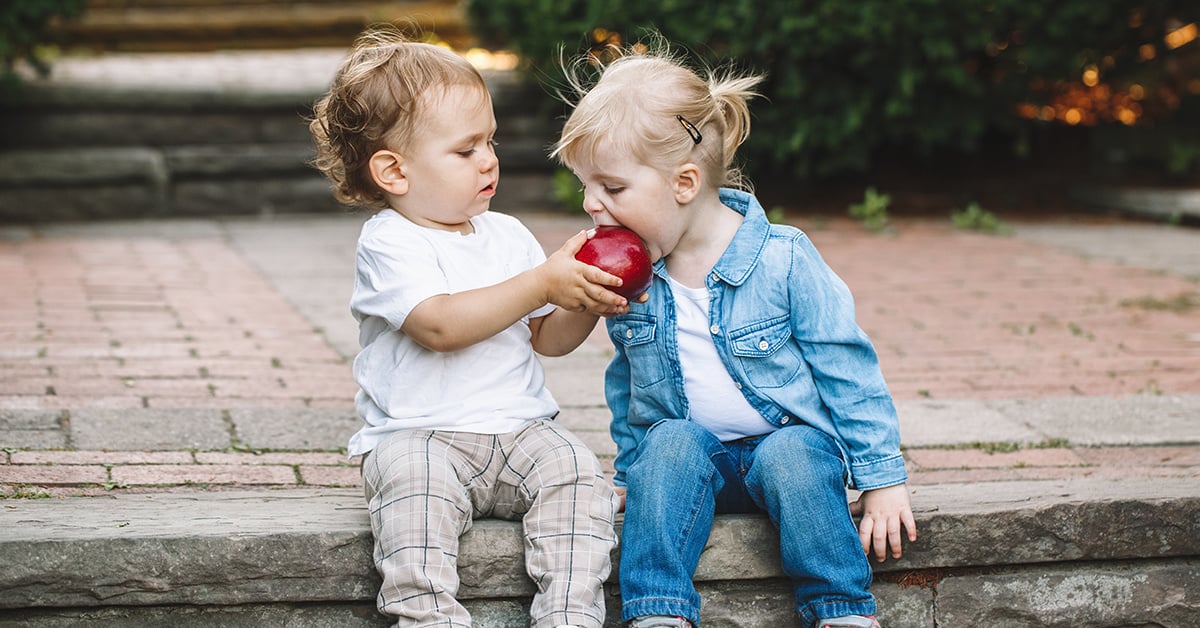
(714, 330)
(629, 333)
(763, 346)
(713, 276)
(785, 420)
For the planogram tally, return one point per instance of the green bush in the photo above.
(23, 29)
(872, 211)
(847, 80)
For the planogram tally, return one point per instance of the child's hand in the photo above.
(578, 287)
(620, 491)
(883, 512)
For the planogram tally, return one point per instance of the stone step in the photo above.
(201, 25)
(93, 152)
(1081, 552)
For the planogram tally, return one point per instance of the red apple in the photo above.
(619, 251)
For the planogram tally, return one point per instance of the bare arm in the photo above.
(449, 322)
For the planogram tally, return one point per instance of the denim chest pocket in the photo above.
(766, 353)
(635, 334)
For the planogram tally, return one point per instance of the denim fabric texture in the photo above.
(794, 475)
(784, 326)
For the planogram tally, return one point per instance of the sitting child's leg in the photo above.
(418, 509)
(672, 489)
(555, 484)
(797, 476)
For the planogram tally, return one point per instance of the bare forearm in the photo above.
(450, 322)
(560, 332)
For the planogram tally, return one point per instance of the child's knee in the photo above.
(672, 438)
(410, 463)
(799, 453)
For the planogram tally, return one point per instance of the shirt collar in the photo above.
(743, 252)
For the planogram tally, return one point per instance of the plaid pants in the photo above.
(425, 487)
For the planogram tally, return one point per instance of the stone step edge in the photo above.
(315, 545)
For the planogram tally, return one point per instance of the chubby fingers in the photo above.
(576, 242)
(874, 535)
(620, 491)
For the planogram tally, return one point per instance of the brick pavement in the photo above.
(139, 358)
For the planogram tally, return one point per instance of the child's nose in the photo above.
(592, 206)
(488, 160)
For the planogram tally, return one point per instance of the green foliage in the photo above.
(1183, 157)
(23, 30)
(872, 211)
(975, 218)
(566, 190)
(847, 80)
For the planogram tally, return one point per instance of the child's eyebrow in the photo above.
(475, 137)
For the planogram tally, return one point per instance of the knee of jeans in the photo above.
(673, 445)
(800, 453)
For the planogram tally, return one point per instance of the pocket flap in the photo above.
(632, 329)
(760, 340)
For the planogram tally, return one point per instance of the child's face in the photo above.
(451, 163)
(619, 190)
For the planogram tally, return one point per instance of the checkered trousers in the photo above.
(424, 488)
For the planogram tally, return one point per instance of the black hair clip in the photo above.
(691, 129)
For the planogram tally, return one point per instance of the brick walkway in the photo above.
(137, 358)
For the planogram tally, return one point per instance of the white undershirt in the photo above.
(714, 400)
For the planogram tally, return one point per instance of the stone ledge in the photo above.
(292, 547)
(1180, 206)
(91, 151)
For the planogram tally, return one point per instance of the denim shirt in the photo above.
(784, 326)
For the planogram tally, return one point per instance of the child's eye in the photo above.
(466, 153)
(613, 191)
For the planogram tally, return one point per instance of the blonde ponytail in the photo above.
(650, 103)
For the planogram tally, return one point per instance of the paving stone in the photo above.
(304, 429)
(145, 429)
(50, 475)
(203, 474)
(975, 458)
(958, 422)
(1093, 421)
(101, 457)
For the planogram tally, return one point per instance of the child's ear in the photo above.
(686, 182)
(387, 169)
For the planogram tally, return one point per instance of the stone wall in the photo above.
(83, 152)
(1081, 553)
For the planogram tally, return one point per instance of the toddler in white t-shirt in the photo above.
(452, 302)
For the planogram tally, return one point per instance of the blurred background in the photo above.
(187, 107)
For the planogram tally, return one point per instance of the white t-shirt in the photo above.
(714, 400)
(491, 387)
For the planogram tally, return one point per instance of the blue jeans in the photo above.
(683, 475)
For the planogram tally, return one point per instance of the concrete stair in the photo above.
(86, 151)
(203, 25)
(1024, 553)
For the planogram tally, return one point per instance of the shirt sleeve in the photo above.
(535, 256)
(845, 369)
(394, 272)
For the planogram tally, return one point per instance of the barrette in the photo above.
(691, 129)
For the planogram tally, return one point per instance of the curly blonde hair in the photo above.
(375, 102)
(649, 103)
